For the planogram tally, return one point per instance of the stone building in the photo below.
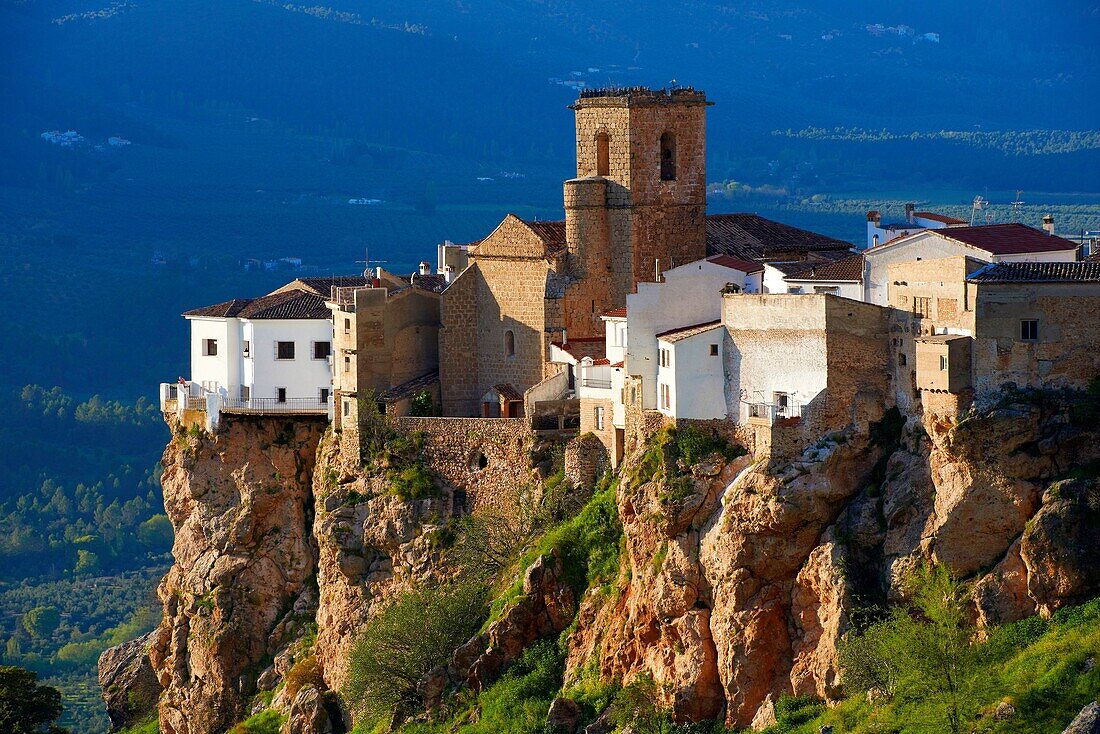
(637, 207)
(385, 335)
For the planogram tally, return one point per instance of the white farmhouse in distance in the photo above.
(879, 233)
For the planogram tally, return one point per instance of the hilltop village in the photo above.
(641, 308)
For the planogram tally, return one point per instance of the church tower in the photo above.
(638, 204)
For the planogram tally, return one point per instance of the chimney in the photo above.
(909, 209)
(1048, 223)
(425, 267)
(448, 274)
(874, 217)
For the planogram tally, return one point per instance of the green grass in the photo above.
(265, 722)
(150, 726)
(1036, 665)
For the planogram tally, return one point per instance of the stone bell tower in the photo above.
(638, 204)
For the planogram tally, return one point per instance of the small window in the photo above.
(668, 157)
(323, 395)
(901, 358)
(347, 364)
(321, 350)
(246, 348)
(603, 155)
(280, 395)
(509, 343)
(1029, 330)
(347, 326)
(210, 347)
(246, 393)
(347, 407)
(714, 350)
(599, 418)
(922, 307)
(284, 350)
(943, 363)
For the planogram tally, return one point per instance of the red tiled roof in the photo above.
(674, 335)
(939, 218)
(745, 266)
(413, 386)
(752, 237)
(1077, 272)
(552, 233)
(618, 365)
(615, 313)
(998, 239)
(323, 286)
(1094, 257)
(508, 392)
(581, 347)
(224, 309)
(850, 268)
(281, 304)
(433, 283)
(601, 362)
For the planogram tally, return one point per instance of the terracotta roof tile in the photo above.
(508, 392)
(745, 266)
(943, 218)
(615, 313)
(684, 332)
(552, 233)
(281, 304)
(1058, 272)
(850, 268)
(413, 386)
(752, 237)
(589, 346)
(998, 239)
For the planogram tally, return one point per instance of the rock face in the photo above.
(1086, 722)
(241, 506)
(130, 687)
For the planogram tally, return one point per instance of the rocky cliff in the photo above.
(736, 581)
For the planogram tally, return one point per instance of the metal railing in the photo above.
(771, 412)
(261, 406)
(194, 403)
(594, 383)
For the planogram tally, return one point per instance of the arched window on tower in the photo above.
(668, 157)
(509, 343)
(603, 155)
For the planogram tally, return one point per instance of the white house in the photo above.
(690, 376)
(842, 278)
(991, 243)
(266, 354)
(879, 233)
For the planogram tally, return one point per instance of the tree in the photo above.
(925, 657)
(25, 706)
(156, 532)
(640, 706)
(422, 404)
(41, 621)
(416, 633)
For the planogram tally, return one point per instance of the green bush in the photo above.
(41, 621)
(413, 483)
(265, 722)
(417, 632)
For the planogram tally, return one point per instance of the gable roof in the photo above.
(728, 261)
(1013, 238)
(225, 309)
(552, 233)
(848, 269)
(296, 303)
(752, 237)
(1087, 271)
(942, 218)
(323, 286)
(685, 332)
(581, 347)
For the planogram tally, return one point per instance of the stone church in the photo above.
(636, 207)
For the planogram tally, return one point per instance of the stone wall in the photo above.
(605, 435)
(458, 354)
(455, 449)
(586, 460)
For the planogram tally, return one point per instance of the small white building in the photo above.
(262, 355)
(690, 376)
(842, 278)
(914, 221)
(992, 243)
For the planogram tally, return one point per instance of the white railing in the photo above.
(268, 406)
(595, 383)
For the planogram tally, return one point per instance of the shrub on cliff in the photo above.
(416, 633)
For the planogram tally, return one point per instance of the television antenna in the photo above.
(367, 262)
(977, 208)
(1017, 205)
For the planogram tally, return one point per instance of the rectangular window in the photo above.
(210, 347)
(284, 350)
(901, 358)
(943, 363)
(347, 364)
(1029, 330)
(714, 350)
(347, 326)
(599, 418)
(321, 350)
(246, 348)
(922, 307)
(245, 392)
(280, 395)
(347, 407)
(323, 394)
(665, 397)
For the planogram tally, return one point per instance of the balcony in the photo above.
(769, 413)
(273, 406)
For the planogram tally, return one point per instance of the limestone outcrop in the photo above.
(242, 509)
(130, 686)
